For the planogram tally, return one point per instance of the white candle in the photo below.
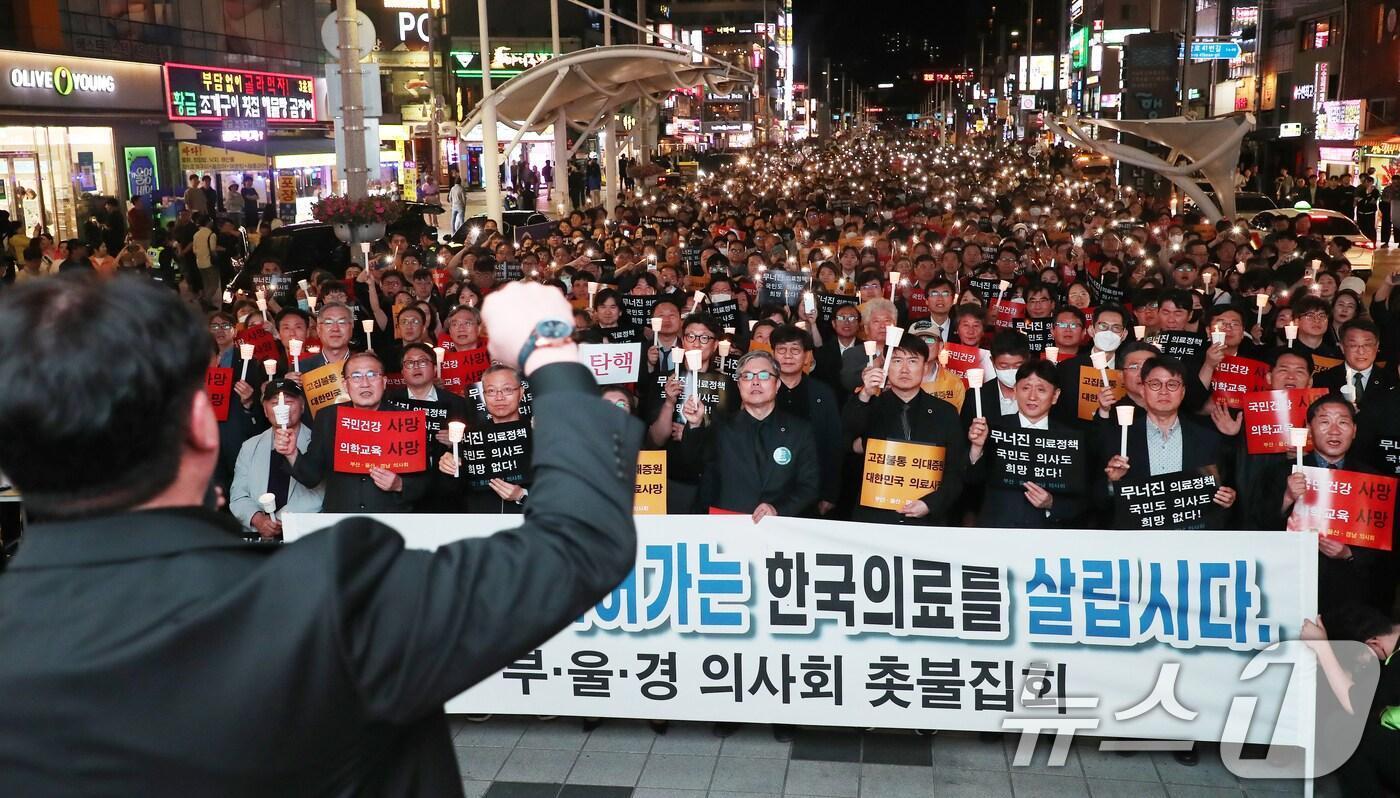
(974, 381)
(1002, 286)
(1100, 361)
(870, 349)
(270, 366)
(311, 301)
(1140, 331)
(228, 297)
(1290, 331)
(1260, 302)
(592, 290)
(894, 284)
(1125, 420)
(655, 325)
(245, 351)
(282, 413)
(455, 431)
(699, 297)
(1349, 392)
(1298, 438)
(943, 357)
(368, 326)
(438, 353)
(893, 335)
(1052, 354)
(1217, 337)
(294, 350)
(724, 347)
(268, 504)
(692, 377)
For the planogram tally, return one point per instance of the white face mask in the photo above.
(1106, 341)
(719, 297)
(1007, 377)
(887, 214)
(838, 220)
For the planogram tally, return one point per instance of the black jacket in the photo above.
(1381, 382)
(157, 654)
(814, 401)
(1202, 446)
(1007, 508)
(350, 493)
(745, 462)
(932, 422)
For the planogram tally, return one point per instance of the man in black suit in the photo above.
(812, 399)
(1357, 378)
(150, 651)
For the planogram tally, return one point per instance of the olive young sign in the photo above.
(45, 81)
(211, 94)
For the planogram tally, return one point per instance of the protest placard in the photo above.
(218, 384)
(393, 440)
(264, 343)
(496, 451)
(777, 287)
(1182, 345)
(461, 369)
(1347, 506)
(637, 309)
(962, 357)
(1169, 501)
(988, 288)
(896, 473)
(1091, 383)
(1006, 314)
(1237, 377)
(1053, 461)
(435, 414)
(324, 386)
(612, 364)
(1268, 415)
(1037, 332)
(650, 497)
(726, 311)
(827, 304)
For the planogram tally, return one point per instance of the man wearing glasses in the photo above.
(1314, 318)
(502, 393)
(845, 329)
(759, 461)
(1108, 333)
(1067, 332)
(1360, 345)
(334, 324)
(379, 491)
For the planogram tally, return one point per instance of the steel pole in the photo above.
(490, 161)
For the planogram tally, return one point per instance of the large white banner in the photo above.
(1142, 634)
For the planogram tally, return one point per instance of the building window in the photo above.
(1321, 32)
(1127, 11)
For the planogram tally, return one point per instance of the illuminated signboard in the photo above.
(1338, 154)
(945, 77)
(210, 94)
(1340, 120)
(1320, 71)
(1290, 130)
(1079, 48)
(505, 61)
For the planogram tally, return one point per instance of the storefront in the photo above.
(74, 131)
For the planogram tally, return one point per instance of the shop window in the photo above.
(1320, 33)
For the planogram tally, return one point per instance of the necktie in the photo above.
(1360, 385)
(904, 421)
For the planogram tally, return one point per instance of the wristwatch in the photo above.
(549, 332)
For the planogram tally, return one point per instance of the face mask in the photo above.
(1108, 278)
(720, 297)
(838, 220)
(1007, 377)
(244, 318)
(887, 214)
(303, 304)
(1106, 341)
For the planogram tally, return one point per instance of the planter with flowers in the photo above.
(357, 221)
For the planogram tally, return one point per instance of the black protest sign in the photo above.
(988, 288)
(508, 270)
(690, 259)
(726, 311)
(1170, 501)
(1182, 345)
(496, 451)
(1037, 333)
(637, 309)
(778, 287)
(1053, 461)
(828, 303)
(1105, 294)
(714, 392)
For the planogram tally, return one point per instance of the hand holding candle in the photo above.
(1298, 438)
(1100, 361)
(692, 377)
(455, 431)
(871, 348)
(268, 504)
(282, 413)
(245, 351)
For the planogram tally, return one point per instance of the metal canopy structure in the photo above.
(1208, 147)
(585, 88)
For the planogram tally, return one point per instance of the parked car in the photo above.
(1247, 203)
(299, 249)
(1326, 224)
(510, 220)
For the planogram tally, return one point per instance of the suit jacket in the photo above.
(1201, 447)
(932, 422)
(250, 480)
(350, 493)
(1381, 382)
(814, 401)
(853, 362)
(158, 654)
(741, 470)
(1007, 508)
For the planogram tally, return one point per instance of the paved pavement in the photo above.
(512, 757)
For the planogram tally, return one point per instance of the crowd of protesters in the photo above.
(786, 274)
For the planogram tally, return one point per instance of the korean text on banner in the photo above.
(264, 343)
(1054, 462)
(461, 369)
(393, 440)
(1268, 415)
(1236, 377)
(1347, 506)
(496, 451)
(897, 473)
(218, 384)
(324, 386)
(651, 483)
(612, 364)
(1090, 383)
(1006, 314)
(1169, 501)
(962, 357)
(822, 623)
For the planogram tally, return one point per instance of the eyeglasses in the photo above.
(698, 338)
(417, 362)
(1186, 267)
(221, 326)
(365, 376)
(761, 376)
(1134, 367)
(1170, 385)
(334, 322)
(500, 393)
(944, 294)
(410, 322)
(846, 318)
(455, 323)
(1315, 315)
(1104, 326)
(1068, 325)
(1229, 325)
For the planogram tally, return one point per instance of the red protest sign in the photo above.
(461, 370)
(393, 440)
(1268, 415)
(1236, 377)
(1347, 506)
(1006, 314)
(962, 357)
(264, 343)
(218, 383)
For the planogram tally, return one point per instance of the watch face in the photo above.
(554, 328)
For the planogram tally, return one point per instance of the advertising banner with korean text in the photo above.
(1091, 383)
(612, 364)
(1268, 415)
(324, 386)
(394, 440)
(1347, 506)
(896, 473)
(830, 623)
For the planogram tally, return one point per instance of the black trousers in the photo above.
(1374, 769)
(1385, 224)
(1367, 223)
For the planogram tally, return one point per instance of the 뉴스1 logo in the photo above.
(62, 80)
